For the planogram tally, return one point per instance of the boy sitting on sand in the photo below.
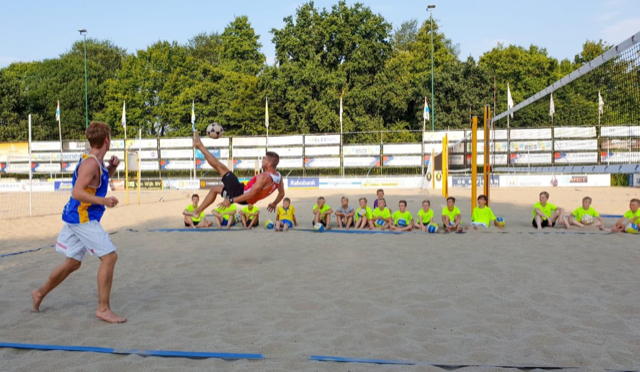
(631, 217)
(451, 216)
(286, 216)
(322, 213)
(546, 214)
(193, 222)
(250, 216)
(382, 215)
(402, 219)
(364, 215)
(483, 215)
(225, 216)
(586, 215)
(344, 214)
(425, 215)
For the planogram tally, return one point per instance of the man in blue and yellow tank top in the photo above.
(82, 231)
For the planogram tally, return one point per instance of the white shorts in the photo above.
(481, 224)
(76, 239)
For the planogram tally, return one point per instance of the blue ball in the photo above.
(380, 222)
(432, 229)
(402, 223)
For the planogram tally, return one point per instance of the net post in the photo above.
(445, 166)
(487, 152)
(474, 162)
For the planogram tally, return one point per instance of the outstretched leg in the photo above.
(105, 279)
(57, 276)
(215, 163)
(208, 200)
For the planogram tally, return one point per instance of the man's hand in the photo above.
(225, 203)
(271, 207)
(114, 162)
(110, 202)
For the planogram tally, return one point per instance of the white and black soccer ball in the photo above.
(215, 130)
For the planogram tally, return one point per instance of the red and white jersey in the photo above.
(277, 178)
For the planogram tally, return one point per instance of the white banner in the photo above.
(18, 168)
(361, 150)
(322, 150)
(620, 157)
(45, 146)
(576, 145)
(249, 141)
(402, 149)
(210, 142)
(285, 141)
(45, 156)
(286, 151)
(322, 162)
(167, 143)
(72, 156)
(142, 144)
(45, 167)
(293, 163)
(246, 163)
(495, 159)
(109, 154)
(76, 145)
(535, 158)
(249, 153)
(402, 161)
(177, 154)
(575, 158)
(202, 164)
(149, 166)
(438, 136)
(330, 139)
(527, 134)
(175, 164)
(495, 147)
(620, 131)
(498, 134)
(544, 180)
(153, 154)
(361, 162)
(579, 132)
(522, 146)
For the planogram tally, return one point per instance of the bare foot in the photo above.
(109, 316)
(197, 142)
(37, 299)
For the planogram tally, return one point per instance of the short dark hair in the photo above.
(634, 200)
(403, 202)
(452, 199)
(96, 133)
(286, 199)
(587, 198)
(379, 190)
(426, 201)
(321, 198)
(274, 158)
(382, 199)
(483, 197)
(545, 194)
(361, 199)
(195, 196)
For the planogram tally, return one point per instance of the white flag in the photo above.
(341, 113)
(509, 100)
(600, 104)
(426, 114)
(266, 113)
(552, 107)
(58, 112)
(193, 115)
(124, 115)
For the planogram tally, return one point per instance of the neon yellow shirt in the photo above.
(483, 215)
(250, 213)
(580, 212)
(546, 210)
(385, 214)
(226, 212)
(286, 214)
(369, 212)
(323, 210)
(406, 216)
(190, 208)
(425, 217)
(451, 214)
(630, 215)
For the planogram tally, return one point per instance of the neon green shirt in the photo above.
(451, 214)
(483, 215)
(190, 208)
(323, 210)
(425, 217)
(250, 213)
(630, 215)
(369, 212)
(384, 214)
(546, 210)
(580, 212)
(406, 216)
(226, 212)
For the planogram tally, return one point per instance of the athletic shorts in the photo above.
(77, 239)
(322, 221)
(232, 187)
(545, 223)
(480, 224)
(225, 222)
(195, 223)
(287, 222)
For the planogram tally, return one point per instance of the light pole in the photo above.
(430, 8)
(86, 85)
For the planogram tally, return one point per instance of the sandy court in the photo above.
(477, 298)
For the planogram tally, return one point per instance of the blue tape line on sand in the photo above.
(611, 216)
(351, 231)
(192, 230)
(27, 251)
(158, 353)
(321, 358)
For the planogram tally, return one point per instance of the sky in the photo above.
(33, 30)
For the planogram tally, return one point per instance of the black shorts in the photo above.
(195, 223)
(232, 187)
(322, 221)
(545, 223)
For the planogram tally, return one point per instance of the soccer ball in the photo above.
(215, 130)
(500, 221)
(631, 228)
(587, 219)
(402, 223)
(268, 224)
(362, 212)
(380, 222)
(318, 227)
(433, 228)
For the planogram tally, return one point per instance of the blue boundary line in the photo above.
(27, 251)
(193, 230)
(158, 353)
(321, 358)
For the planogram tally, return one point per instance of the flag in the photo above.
(124, 116)
(266, 113)
(58, 112)
(425, 114)
(193, 115)
(509, 100)
(600, 104)
(552, 107)
(341, 113)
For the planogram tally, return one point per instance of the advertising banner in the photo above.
(62, 186)
(524, 158)
(176, 164)
(496, 159)
(438, 136)
(218, 153)
(361, 150)
(620, 144)
(330, 139)
(77, 145)
(219, 142)
(285, 140)
(71, 156)
(246, 164)
(340, 183)
(560, 158)
(249, 141)
(402, 149)
(527, 134)
(576, 145)
(292, 163)
(620, 131)
(361, 162)
(545, 180)
(45, 167)
(619, 157)
(523, 146)
(495, 146)
(322, 162)
(209, 183)
(249, 153)
(178, 154)
(322, 150)
(465, 181)
(45, 146)
(303, 183)
(167, 143)
(402, 161)
(576, 132)
(202, 164)
(152, 184)
(285, 152)
(152, 154)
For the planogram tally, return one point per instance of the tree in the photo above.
(240, 47)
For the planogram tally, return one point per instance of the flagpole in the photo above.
(30, 173)
(126, 156)
(59, 132)
(424, 127)
(193, 129)
(341, 143)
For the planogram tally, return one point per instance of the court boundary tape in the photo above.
(140, 352)
(193, 230)
(27, 251)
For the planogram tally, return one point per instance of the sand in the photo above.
(490, 298)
